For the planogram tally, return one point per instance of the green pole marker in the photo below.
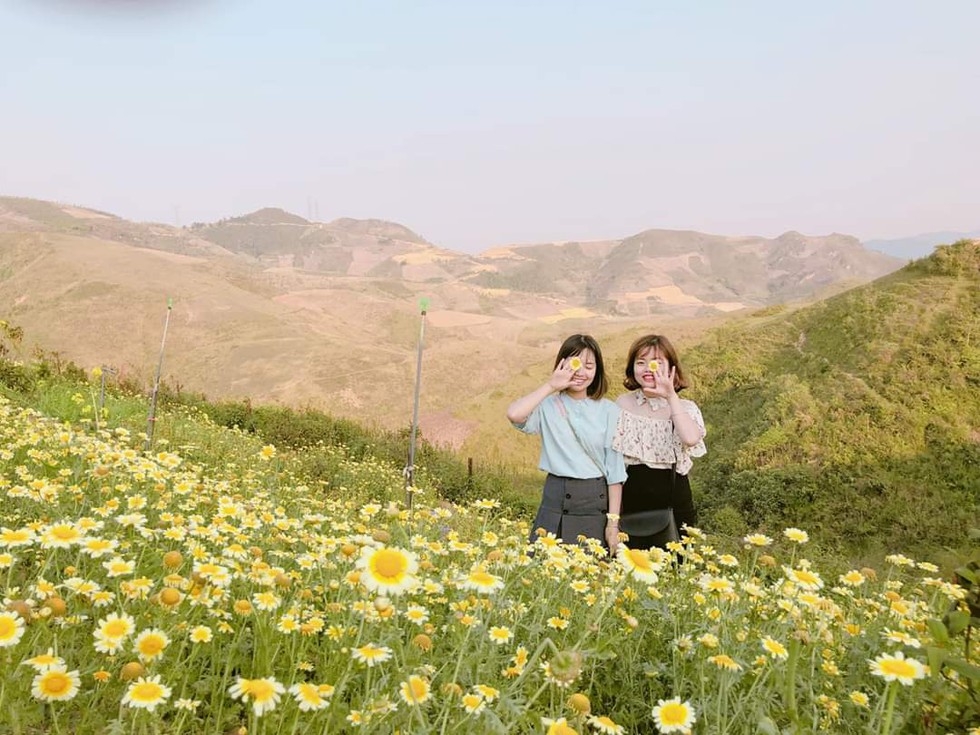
(410, 467)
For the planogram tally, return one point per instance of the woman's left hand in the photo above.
(663, 381)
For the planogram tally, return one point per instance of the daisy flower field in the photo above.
(215, 583)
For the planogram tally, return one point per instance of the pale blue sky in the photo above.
(485, 123)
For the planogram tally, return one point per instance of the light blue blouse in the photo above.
(562, 453)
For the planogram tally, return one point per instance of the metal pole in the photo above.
(103, 369)
(111, 371)
(410, 467)
(151, 421)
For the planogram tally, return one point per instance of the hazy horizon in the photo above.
(486, 125)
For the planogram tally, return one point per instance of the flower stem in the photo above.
(790, 691)
(886, 724)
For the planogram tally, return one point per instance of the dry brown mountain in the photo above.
(274, 307)
(664, 271)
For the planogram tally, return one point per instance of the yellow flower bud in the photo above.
(452, 689)
(131, 670)
(56, 605)
(579, 703)
(169, 596)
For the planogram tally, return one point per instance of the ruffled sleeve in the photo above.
(699, 449)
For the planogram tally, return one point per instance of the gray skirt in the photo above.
(571, 508)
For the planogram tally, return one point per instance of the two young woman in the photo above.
(607, 459)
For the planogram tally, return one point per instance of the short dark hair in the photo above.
(654, 340)
(574, 345)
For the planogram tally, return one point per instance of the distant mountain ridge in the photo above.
(272, 306)
(655, 271)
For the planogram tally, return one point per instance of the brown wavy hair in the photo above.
(668, 351)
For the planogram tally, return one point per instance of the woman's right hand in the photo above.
(612, 537)
(562, 377)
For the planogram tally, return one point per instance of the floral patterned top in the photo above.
(652, 441)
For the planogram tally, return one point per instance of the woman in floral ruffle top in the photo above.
(657, 431)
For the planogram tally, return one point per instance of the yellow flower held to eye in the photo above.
(575, 363)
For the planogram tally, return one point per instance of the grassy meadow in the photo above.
(219, 583)
(858, 415)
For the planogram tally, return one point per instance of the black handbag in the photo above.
(657, 526)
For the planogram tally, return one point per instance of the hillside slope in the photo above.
(846, 414)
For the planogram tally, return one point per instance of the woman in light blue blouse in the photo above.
(583, 489)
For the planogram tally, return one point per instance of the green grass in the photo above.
(856, 415)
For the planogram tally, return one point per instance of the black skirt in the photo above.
(649, 488)
(571, 507)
